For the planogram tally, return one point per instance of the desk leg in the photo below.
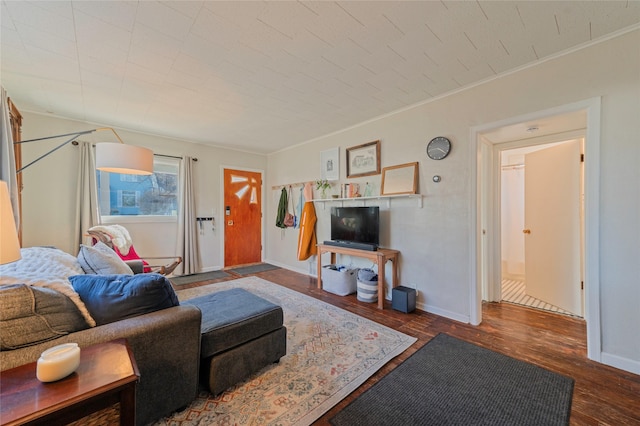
(319, 270)
(395, 271)
(381, 262)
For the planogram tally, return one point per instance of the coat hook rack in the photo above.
(290, 185)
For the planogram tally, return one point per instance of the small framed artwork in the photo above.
(363, 160)
(330, 163)
(400, 179)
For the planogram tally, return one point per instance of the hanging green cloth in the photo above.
(282, 209)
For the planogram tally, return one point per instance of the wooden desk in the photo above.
(380, 257)
(107, 375)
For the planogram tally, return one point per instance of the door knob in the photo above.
(526, 231)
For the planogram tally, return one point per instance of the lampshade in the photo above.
(125, 159)
(9, 244)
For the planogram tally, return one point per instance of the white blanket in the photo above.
(46, 267)
(119, 236)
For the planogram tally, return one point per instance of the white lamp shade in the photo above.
(9, 244)
(125, 159)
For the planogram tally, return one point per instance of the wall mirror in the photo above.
(400, 179)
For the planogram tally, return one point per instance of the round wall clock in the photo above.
(438, 148)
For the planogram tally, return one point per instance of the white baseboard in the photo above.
(431, 309)
(625, 364)
(283, 266)
(443, 313)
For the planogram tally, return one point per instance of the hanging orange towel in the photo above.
(307, 237)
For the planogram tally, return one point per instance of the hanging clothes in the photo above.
(289, 218)
(299, 207)
(307, 243)
(282, 209)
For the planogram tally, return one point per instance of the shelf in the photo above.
(365, 199)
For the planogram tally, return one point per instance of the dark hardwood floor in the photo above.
(602, 395)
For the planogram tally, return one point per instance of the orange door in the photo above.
(242, 217)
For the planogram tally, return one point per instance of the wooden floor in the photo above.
(602, 395)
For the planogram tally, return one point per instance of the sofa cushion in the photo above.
(102, 260)
(233, 317)
(30, 315)
(111, 298)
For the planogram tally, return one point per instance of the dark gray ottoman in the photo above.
(241, 334)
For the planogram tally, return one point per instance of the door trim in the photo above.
(220, 226)
(483, 194)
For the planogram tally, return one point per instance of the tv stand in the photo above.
(379, 256)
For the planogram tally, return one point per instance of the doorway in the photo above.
(242, 217)
(541, 212)
(563, 121)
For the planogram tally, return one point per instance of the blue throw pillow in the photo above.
(111, 298)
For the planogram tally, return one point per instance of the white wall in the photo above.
(434, 240)
(50, 188)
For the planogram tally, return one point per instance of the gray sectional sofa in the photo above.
(219, 339)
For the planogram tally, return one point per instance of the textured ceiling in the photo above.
(261, 76)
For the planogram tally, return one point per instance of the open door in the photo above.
(242, 217)
(552, 225)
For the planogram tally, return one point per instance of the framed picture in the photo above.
(330, 164)
(401, 179)
(363, 160)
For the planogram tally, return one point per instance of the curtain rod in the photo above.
(172, 156)
(158, 155)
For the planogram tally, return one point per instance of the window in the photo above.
(128, 199)
(155, 195)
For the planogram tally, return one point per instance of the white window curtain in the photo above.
(187, 226)
(86, 194)
(7, 158)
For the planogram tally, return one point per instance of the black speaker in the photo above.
(403, 299)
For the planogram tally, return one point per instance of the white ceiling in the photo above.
(262, 76)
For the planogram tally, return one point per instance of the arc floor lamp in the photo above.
(115, 157)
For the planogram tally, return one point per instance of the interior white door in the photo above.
(552, 226)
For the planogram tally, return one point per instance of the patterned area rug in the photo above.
(330, 352)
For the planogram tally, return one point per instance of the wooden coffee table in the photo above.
(107, 375)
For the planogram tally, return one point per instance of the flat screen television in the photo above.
(359, 226)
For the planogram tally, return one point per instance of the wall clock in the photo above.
(438, 148)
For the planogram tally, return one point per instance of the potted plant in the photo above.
(322, 185)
